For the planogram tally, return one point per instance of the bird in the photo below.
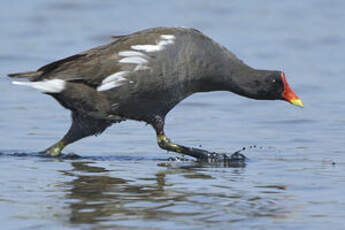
(144, 75)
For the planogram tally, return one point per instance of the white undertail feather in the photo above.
(45, 86)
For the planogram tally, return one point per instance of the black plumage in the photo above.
(142, 76)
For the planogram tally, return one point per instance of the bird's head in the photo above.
(272, 86)
(265, 85)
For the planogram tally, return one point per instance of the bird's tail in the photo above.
(45, 85)
(30, 75)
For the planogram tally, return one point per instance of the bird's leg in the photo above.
(71, 136)
(200, 154)
(167, 144)
(82, 126)
(55, 150)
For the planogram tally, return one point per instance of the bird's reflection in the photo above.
(98, 196)
(94, 195)
(91, 193)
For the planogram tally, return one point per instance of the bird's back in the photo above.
(141, 74)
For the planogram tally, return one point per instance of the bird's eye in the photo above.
(274, 80)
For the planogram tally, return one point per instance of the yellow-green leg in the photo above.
(165, 143)
(235, 160)
(55, 150)
(200, 154)
(82, 126)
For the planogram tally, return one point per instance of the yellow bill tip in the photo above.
(297, 102)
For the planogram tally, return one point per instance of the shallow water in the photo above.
(294, 178)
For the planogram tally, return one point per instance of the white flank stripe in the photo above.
(111, 85)
(147, 48)
(166, 40)
(164, 43)
(133, 60)
(141, 67)
(168, 36)
(130, 53)
(115, 80)
(115, 76)
(45, 86)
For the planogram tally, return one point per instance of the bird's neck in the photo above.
(247, 81)
(237, 78)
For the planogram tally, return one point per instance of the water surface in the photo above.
(294, 177)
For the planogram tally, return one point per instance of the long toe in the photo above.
(221, 159)
(237, 156)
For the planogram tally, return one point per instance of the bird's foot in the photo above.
(237, 156)
(54, 150)
(237, 159)
(217, 157)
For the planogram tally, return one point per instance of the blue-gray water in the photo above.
(295, 177)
